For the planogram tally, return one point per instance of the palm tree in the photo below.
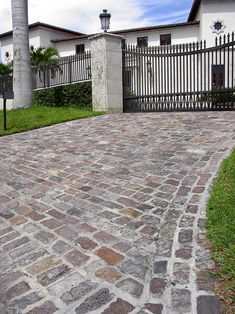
(22, 75)
(41, 56)
(6, 69)
(44, 62)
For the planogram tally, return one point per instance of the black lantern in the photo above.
(105, 20)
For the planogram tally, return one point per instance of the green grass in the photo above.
(20, 120)
(221, 225)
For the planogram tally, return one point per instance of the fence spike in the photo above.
(224, 37)
(183, 48)
(232, 36)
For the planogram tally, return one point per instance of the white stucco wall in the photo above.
(46, 35)
(179, 35)
(210, 11)
(38, 37)
(10, 103)
(7, 46)
(67, 48)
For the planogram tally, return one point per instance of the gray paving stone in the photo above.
(94, 302)
(205, 281)
(160, 267)
(181, 273)
(26, 300)
(137, 270)
(61, 247)
(181, 301)
(78, 291)
(47, 307)
(52, 275)
(164, 248)
(65, 284)
(7, 214)
(131, 286)
(22, 250)
(207, 304)
(185, 236)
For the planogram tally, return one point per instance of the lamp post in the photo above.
(105, 20)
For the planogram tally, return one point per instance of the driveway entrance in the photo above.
(107, 214)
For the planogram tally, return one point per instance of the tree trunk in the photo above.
(22, 75)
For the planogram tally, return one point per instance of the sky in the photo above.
(83, 15)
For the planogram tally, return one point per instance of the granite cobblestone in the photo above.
(107, 214)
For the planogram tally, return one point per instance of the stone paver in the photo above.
(107, 214)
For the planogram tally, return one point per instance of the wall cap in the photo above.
(107, 35)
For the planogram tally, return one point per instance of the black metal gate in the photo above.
(180, 78)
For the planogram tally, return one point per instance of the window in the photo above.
(165, 39)
(218, 76)
(142, 42)
(80, 48)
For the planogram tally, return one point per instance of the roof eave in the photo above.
(40, 24)
(141, 29)
(194, 10)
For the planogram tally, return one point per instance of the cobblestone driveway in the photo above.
(107, 214)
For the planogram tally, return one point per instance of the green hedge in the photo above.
(75, 95)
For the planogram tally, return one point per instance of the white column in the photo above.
(106, 71)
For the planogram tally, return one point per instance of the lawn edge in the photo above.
(51, 125)
(203, 209)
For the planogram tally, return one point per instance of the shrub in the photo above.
(77, 95)
(219, 96)
(74, 95)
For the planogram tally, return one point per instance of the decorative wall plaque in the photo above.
(218, 26)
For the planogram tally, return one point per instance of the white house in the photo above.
(207, 19)
(40, 35)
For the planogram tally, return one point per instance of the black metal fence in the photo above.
(63, 71)
(182, 77)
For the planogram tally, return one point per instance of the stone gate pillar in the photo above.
(106, 71)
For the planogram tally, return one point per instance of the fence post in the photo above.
(4, 114)
(70, 70)
(106, 72)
